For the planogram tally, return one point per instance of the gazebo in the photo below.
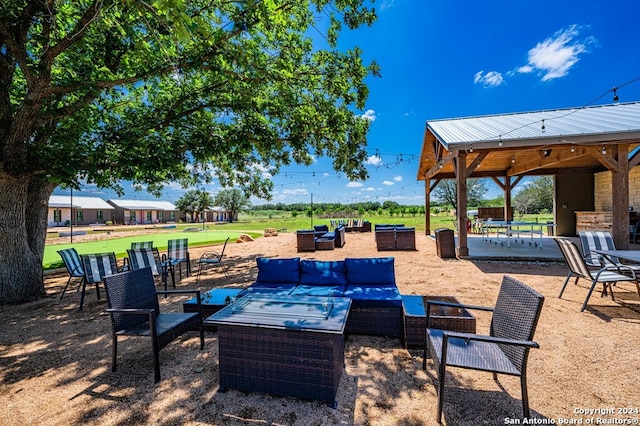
(573, 145)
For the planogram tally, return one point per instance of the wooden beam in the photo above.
(463, 246)
(607, 159)
(476, 162)
(620, 196)
(427, 207)
(538, 160)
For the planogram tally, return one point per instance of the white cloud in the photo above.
(369, 188)
(354, 185)
(297, 191)
(555, 56)
(374, 160)
(388, 183)
(398, 178)
(386, 4)
(490, 79)
(325, 174)
(369, 115)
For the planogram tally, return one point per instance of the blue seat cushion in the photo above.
(372, 296)
(371, 271)
(323, 273)
(274, 270)
(318, 290)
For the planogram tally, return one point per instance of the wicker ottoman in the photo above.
(325, 243)
(442, 317)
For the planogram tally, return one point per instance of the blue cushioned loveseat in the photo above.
(376, 304)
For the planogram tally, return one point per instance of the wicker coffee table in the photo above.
(445, 318)
(282, 346)
(212, 301)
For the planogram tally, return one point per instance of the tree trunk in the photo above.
(23, 229)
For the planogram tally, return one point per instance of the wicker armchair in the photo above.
(135, 311)
(306, 240)
(504, 351)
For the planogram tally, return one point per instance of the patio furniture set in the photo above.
(355, 225)
(320, 238)
(284, 334)
(395, 237)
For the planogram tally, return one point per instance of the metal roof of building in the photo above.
(143, 204)
(79, 202)
(573, 125)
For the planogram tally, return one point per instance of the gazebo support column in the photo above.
(461, 181)
(620, 198)
(427, 206)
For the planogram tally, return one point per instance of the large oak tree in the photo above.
(167, 90)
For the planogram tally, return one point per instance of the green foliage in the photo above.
(195, 201)
(173, 90)
(447, 192)
(536, 196)
(233, 201)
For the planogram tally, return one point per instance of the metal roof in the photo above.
(549, 127)
(79, 202)
(143, 204)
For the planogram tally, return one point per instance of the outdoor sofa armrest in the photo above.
(489, 339)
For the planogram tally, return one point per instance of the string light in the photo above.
(604, 150)
(513, 158)
(543, 126)
(573, 148)
(615, 95)
(500, 141)
(471, 148)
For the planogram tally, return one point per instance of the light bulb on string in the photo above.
(604, 150)
(573, 148)
(615, 95)
(544, 128)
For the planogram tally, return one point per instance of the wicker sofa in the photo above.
(376, 304)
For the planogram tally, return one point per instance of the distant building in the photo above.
(136, 212)
(65, 210)
(219, 214)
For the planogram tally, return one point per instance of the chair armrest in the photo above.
(209, 254)
(140, 311)
(618, 268)
(489, 339)
(453, 305)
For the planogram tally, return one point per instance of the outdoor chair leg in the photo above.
(584, 305)
(565, 284)
(525, 396)
(84, 288)
(441, 375)
(114, 353)
(65, 287)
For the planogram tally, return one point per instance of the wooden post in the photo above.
(507, 198)
(427, 206)
(620, 198)
(461, 173)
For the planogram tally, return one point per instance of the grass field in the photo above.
(253, 225)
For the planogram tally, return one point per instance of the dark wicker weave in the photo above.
(377, 321)
(306, 241)
(134, 309)
(504, 351)
(444, 317)
(303, 364)
(406, 239)
(385, 239)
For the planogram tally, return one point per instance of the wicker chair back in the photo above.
(131, 290)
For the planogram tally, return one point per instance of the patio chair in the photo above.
(135, 311)
(601, 240)
(178, 253)
(96, 267)
(73, 263)
(141, 244)
(150, 258)
(213, 258)
(607, 275)
(505, 350)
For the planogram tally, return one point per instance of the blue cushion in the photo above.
(274, 270)
(323, 273)
(372, 296)
(318, 290)
(370, 271)
(319, 228)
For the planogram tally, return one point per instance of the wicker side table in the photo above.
(445, 318)
(325, 243)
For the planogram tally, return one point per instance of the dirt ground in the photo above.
(55, 361)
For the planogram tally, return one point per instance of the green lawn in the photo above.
(120, 245)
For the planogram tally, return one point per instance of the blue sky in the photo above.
(445, 59)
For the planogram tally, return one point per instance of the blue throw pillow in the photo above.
(370, 271)
(323, 273)
(273, 270)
